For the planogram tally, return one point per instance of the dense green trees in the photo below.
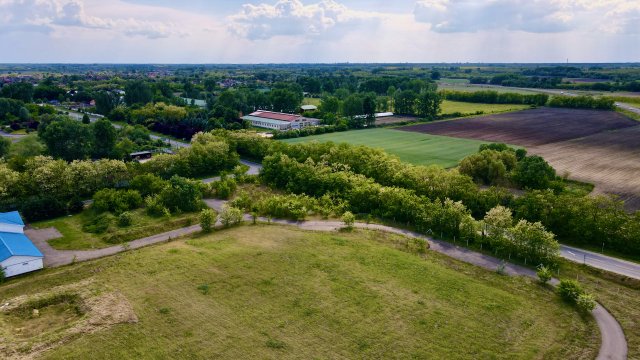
(582, 102)
(494, 97)
(138, 92)
(67, 139)
(489, 166)
(533, 172)
(22, 91)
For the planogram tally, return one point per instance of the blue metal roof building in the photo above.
(18, 255)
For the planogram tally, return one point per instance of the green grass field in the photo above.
(74, 238)
(311, 101)
(449, 107)
(272, 292)
(412, 147)
(474, 87)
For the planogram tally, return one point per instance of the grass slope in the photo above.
(271, 292)
(450, 107)
(415, 148)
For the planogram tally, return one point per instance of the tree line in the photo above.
(494, 97)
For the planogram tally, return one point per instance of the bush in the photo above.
(533, 172)
(116, 201)
(98, 224)
(348, 219)
(570, 290)
(585, 302)
(154, 206)
(544, 274)
(3, 276)
(41, 208)
(224, 188)
(181, 195)
(230, 216)
(207, 220)
(148, 184)
(125, 219)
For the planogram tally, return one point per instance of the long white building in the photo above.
(279, 121)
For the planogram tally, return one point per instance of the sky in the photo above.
(319, 31)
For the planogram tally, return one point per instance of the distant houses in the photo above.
(18, 255)
(279, 121)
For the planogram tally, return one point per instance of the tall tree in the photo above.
(138, 92)
(105, 137)
(67, 139)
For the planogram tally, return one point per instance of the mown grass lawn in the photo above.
(450, 107)
(75, 238)
(412, 147)
(272, 292)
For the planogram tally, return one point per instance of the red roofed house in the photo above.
(279, 121)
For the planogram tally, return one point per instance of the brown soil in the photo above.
(529, 127)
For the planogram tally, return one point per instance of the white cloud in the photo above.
(535, 16)
(293, 18)
(538, 16)
(49, 15)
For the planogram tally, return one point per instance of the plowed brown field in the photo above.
(529, 127)
(599, 147)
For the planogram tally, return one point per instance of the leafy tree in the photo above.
(428, 105)
(86, 119)
(569, 290)
(105, 136)
(544, 274)
(5, 145)
(497, 222)
(230, 216)
(22, 91)
(534, 242)
(181, 195)
(207, 220)
(489, 166)
(138, 92)
(585, 303)
(67, 139)
(349, 220)
(533, 172)
(106, 101)
(285, 100)
(369, 105)
(24, 114)
(148, 184)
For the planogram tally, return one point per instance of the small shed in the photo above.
(309, 108)
(18, 255)
(141, 156)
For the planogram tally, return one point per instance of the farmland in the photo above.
(415, 148)
(450, 107)
(278, 292)
(529, 127)
(611, 160)
(591, 146)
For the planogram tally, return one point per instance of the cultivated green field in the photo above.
(272, 292)
(412, 147)
(450, 107)
(477, 87)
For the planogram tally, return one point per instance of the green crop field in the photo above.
(273, 292)
(450, 107)
(412, 147)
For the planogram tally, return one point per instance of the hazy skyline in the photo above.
(241, 31)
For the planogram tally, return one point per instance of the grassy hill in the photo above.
(271, 292)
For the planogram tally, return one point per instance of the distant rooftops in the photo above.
(276, 116)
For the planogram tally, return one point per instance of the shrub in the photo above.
(148, 184)
(230, 216)
(97, 224)
(544, 274)
(154, 206)
(585, 302)
(570, 290)
(181, 195)
(3, 276)
(207, 220)
(348, 219)
(224, 188)
(125, 219)
(116, 201)
(40, 208)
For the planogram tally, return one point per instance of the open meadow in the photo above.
(451, 107)
(273, 292)
(415, 148)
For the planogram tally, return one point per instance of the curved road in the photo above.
(613, 346)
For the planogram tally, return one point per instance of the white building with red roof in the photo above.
(279, 121)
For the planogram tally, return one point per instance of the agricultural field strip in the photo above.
(528, 127)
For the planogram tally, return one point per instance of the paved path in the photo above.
(13, 137)
(600, 261)
(613, 347)
(254, 169)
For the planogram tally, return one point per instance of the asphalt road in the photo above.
(600, 261)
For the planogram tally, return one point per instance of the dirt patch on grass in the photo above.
(32, 325)
(529, 127)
